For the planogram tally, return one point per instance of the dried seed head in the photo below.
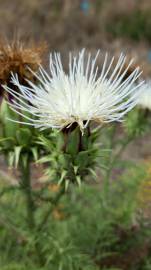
(16, 57)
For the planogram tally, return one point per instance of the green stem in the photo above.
(53, 202)
(26, 187)
(30, 205)
(106, 181)
(122, 148)
(112, 160)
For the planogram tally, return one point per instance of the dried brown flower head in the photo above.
(16, 57)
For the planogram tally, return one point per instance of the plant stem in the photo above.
(30, 205)
(26, 187)
(106, 181)
(53, 204)
(112, 161)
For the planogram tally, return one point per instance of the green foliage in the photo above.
(147, 265)
(14, 266)
(125, 189)
(136, 123)
(90, 232)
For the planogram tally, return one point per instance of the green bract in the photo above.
(71, 156)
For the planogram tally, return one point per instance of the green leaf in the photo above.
(34, 151)
(81, 159)
(17, 152)
(23, 136)
(63, 174)
(95, 134)
(45, 159)
(24, 159)
(75, 169)
(78, 179)
(7, 143)
(66, 184)
(64, 160)
(45, 142)
(11, 158)
(9, 127)
(92, 172)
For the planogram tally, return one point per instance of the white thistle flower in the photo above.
(144, 100)
(84, 94)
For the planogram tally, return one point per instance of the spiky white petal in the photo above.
(82, 95)
(144, 100)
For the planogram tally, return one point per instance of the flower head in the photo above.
(81, 95)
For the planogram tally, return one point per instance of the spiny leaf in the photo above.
(67, 184)
(17, 151)
(7, 143)
(34, 151)
(78, 179)
(63, 174)
(11, 158)
(75, 169)
(45, 159)
(45, 142)
(24, 159)
(92, 172)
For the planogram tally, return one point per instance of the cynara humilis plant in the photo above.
(61, 115)
(73, 103)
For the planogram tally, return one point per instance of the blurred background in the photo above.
(68, 25)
